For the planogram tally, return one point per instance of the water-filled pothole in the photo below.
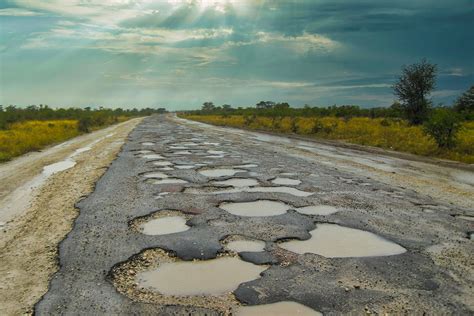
(237, 182)
(256, 208)
(334, 241)
(216, 152)
(164, 225)
(286, 181)
(220, 172)
(170, 181)
(155, 175)
(152, 156)
(185, 167)
(209, 277)
(246, 245)
(148, 144)
(277, 309)
(162, 163)
(317, 210)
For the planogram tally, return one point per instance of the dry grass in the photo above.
(394, 134)
(27, 136)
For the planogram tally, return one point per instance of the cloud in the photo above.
(17, 12)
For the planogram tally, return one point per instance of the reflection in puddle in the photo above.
(164, 225)
(58, 167)
(216, 152)
(256, 208)
(166, 169)
(277, 309)
(162, 163)
(170, 181)
(334, 241)
(317, 210)
(286, 181)
(237, 182)
(148, 144)
(153, 156)
(210, 277)
(216, 173)
(246, 245)
(158, 175)
(184, 167)
(249, 165)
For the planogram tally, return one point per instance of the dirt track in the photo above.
(28, 241)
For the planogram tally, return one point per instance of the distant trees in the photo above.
(87, 117)
(413, 88)
(265, 105)
(208, 106)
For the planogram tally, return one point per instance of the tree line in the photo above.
(413, 88)
(87, 117)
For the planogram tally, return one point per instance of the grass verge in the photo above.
(393, 134)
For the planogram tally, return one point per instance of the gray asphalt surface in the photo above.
(102, 238)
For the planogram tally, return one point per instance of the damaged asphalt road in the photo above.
(101, 256)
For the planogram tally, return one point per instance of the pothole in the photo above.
(152, 156)
(182, 152)
(334, 241)
(155, 175)
(240, 244)
(185, 167)
(216, 152)
(247, 166)
(165, 169)
(209, 277)
(148, 144)
(317, 210)
(58, 167)
(136, 279)
(163, 223)
(222, 172)
(286, 181)
(277, 309)
(170, 181)
(237, 182)
(162, 163)
(255, 208)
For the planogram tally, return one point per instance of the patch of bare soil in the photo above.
(29, 245)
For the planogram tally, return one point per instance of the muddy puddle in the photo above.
(247, 166)
(237, 182)
(334, 241)
(164, 225)
(170, 181)
(285, 308)
(220, 172)
(152, 156)
(209, 277)
(58, 167)
(162, 163)
(255, 208)
(286, 181)
(185, 167)
(155, 175)
(246, 245)
(317, 210)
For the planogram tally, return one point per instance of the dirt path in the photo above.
(32, 228)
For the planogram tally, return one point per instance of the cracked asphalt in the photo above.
(434, 276)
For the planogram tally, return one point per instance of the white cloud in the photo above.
(17, 12)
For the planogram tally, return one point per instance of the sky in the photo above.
(180, 53)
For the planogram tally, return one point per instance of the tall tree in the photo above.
(413, 88)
